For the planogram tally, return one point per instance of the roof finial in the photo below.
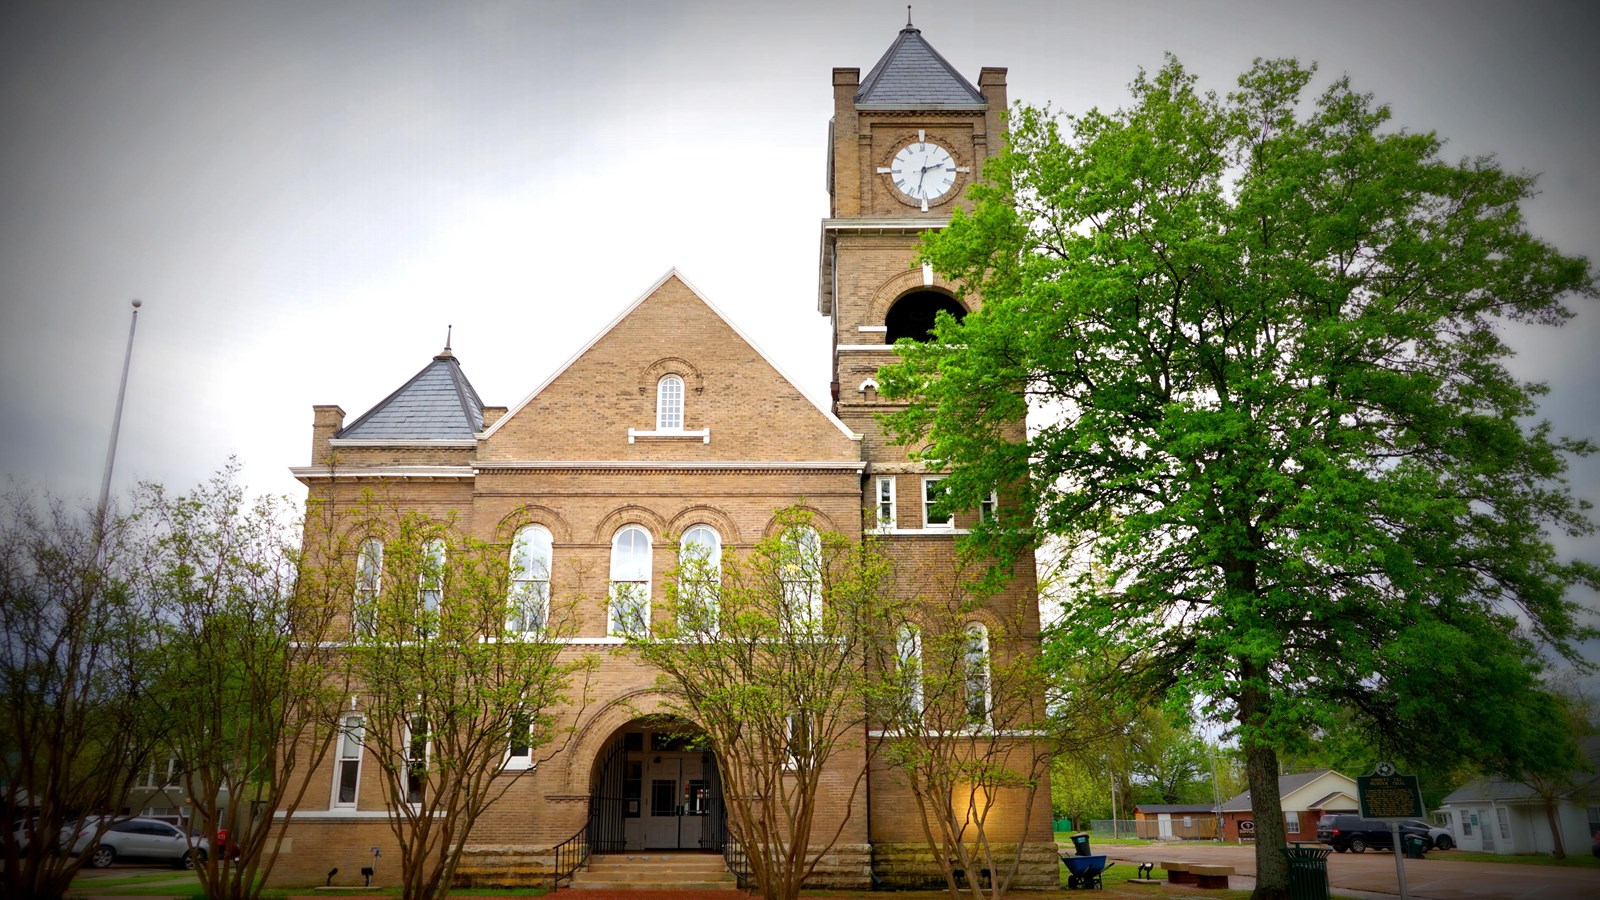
(445, 353)
(908, 15)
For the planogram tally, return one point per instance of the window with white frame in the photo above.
(347, 772)
(908, 659)
(932, 493)
(988, 505)
(418, 741)
(369, 581)
(430, 582)
(1291, 822)
(800, 569)
(699, 580)
(1594, 820)
(1504, 818)
(519, 742)
(669, 404)
(885, 502)
(797, 738)
(975, 658)
(160, 774)
(629, 610)
(532, 549)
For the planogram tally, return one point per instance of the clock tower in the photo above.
(903, 145)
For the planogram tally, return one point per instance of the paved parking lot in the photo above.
(1435, 877)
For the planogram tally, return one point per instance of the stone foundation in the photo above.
(493, 866)
(915, 866)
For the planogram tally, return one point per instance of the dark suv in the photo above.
(1355, 833)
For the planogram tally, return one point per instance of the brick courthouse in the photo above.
(671, 424)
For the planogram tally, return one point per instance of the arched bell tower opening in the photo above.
(656, 786)
(913, 315)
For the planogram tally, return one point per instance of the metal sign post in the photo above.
(1391, 797)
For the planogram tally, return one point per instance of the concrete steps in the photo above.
(655, 871)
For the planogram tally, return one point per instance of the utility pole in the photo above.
(116, 427)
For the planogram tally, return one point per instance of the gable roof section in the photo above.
(437, 404)
(1287, 785)
(913, 74)
(1585, 783)
(612, 325)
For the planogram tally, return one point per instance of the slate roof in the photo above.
(912, 73)
(1286, 785)
(438, 403)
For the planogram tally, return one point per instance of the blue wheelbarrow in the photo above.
(1083, 872)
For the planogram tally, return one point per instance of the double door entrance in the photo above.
(675, 805)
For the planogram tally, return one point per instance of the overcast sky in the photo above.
(304, 195)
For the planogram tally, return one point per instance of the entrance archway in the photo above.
(656, 786)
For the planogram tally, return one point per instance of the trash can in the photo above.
(1080, 843)
(1308, 873)
(1415, 845)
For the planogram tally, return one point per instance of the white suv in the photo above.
(138, 839)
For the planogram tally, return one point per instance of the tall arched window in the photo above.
(531, 553)
(908, 659)
(430, 582)
(801, 572)
(976, 662)
(369, 582)
(699, 579)
(629, 612)
(669, 404)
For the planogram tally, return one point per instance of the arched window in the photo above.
(801, 572)
(913, 316)
(531, 554)
(629, 611)
(976, 663)
(699, 579)
(908, 659)
(369, 582)
(669, 404)
(430, 583)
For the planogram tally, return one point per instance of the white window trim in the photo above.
(541, 586)
(612, 582)
(434, 556)
(427, 760)
(714, 560)
(363, 612)
(791, 762)
(339, 759)
(885, 525)
(1291, 821)
(812, 585)
(664, 410)
(988, 675)
(989, 506)
(702, 435)
(908, 649)
(518, 762)
(927, 481)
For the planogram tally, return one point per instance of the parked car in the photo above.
(137, 839)
(1438, 838)
(1355, 834)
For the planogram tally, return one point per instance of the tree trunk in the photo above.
(1261, 772)
(1556, 849)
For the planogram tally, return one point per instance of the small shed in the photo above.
(1175, 821)
(1304, 798)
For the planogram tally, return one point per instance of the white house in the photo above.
(1511, 817)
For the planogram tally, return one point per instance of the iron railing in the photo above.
(571, 854)
(738, 862)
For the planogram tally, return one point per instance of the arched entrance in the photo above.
(655, 786)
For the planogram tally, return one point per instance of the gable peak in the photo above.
(911, 74)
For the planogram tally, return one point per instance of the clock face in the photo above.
(923, 171)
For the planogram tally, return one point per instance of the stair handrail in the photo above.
(738, 862)
(570, 854)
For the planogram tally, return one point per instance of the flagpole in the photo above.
(116, 427)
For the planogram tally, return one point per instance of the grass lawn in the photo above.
(1575, 861)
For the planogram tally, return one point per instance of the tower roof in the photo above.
(437, 404)
(913, 74)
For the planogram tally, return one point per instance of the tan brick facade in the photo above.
(582, 456)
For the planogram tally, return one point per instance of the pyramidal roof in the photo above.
(437, 404)
(912, 73)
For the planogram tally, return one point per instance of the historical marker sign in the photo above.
(1386, 794)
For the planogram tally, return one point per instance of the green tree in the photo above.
(1262, 337)
(253, 664)
(80, 655)
(766, 654)
(458, 686)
